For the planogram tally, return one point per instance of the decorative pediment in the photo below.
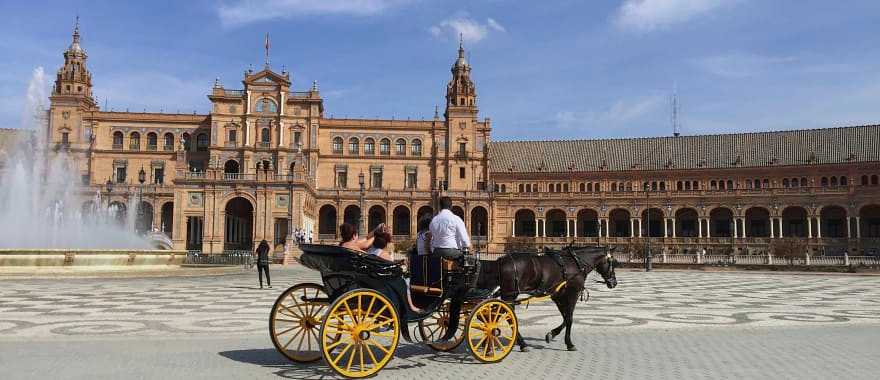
(267, 77)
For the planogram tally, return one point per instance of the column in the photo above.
(772, 228)
(700, 225)
(666, 228)
(639, 222)
(819, 227)
(536, 227)
(848, 228)
(708, 229)
(632, 228)
(810, 227)
(780, 227)
(543, 228)
(673, 227)
(858, 227)
(735, 228)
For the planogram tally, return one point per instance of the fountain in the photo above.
(46, 216)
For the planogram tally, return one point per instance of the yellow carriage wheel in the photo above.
(435, 326)
(360, 333)
(491, 331)
(295, 322)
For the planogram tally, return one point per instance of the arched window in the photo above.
(528, 187)
(833, 181)
(337, 145)
(354, 145)
(118, 137)
(785, 182)
(522, 188)
(874, 180)
(152, 141)
(662, 186)
(713, 185)
(765, 183)
(134, 142)
(824, 181)
(730, 184)
(589, 187)
(864, 177)
(186, 141)
(266, 105)
(169, 142)
(565, 187)
(369, 146)
(803, 181)
(202, 142)
(416, 147)
(503, 188)
(400, 147)
(614, 186)
(385, 147)
(844, 181)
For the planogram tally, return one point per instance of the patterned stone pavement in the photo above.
(662, 324)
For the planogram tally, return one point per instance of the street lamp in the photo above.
(109, 190)
(648, 223)
(361, 208)
(142, 177)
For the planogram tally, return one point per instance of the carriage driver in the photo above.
(449, 237)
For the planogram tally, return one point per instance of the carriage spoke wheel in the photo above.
(295, 322)
(491, 331)
(360, 333)
(435, 327)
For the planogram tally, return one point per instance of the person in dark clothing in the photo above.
(263, 263)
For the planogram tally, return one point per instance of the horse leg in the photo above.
(556, 330)
(523, 346)
(568, 319)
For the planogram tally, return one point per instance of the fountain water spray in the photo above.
(41, 205)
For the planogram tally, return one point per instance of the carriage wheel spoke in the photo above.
(385, 350)
(287, 331)
(292, 338)
(330, 347)
(342, 353)
(351, 358)
(361, 354)
(372, 356)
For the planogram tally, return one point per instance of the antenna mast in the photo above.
(675, 125)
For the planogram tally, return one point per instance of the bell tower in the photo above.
(466, 136)
(70, 101)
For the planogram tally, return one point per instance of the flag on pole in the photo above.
(267, 49)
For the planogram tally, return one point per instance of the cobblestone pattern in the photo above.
(232, 304)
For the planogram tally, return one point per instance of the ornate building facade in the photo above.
(266, 160)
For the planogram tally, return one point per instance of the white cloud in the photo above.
(741, 65)
(647, 15)
(618, 114)
(469, 29)
(246, 11)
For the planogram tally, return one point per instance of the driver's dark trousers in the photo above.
(448, 253)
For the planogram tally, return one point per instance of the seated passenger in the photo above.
(380, 242)
(350, 238)
(423, 237)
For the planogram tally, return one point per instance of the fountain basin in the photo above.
(88, 257)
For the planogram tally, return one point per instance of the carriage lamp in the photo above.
(142, 176)
(109, 185)
(361, 180)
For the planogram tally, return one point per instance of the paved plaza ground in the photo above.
(659, 325)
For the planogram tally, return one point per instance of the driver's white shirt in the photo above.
(448, 231)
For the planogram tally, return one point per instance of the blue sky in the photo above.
(543, 69)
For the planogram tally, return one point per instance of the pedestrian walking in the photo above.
(310, 236)
(263, 263)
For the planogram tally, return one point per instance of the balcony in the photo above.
(152, 147)
(117, 147)
(264, 144)
(168, 148)
(460, 155)
(231, 144)
(238, 176)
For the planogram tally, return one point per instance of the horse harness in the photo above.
(557, 258)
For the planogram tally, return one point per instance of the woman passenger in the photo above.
(350, 238)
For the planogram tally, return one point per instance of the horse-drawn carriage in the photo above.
(355, 319)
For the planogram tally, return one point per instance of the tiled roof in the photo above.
(797, 147)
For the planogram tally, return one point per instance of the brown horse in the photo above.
(516, 274)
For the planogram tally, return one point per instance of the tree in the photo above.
(788, 249)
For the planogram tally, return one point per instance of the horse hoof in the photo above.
(525, 349)
(548, 338)
(572, 348)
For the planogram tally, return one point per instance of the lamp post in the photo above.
(648, 223)
(109, 191)
(361, 208)
(142, 177)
